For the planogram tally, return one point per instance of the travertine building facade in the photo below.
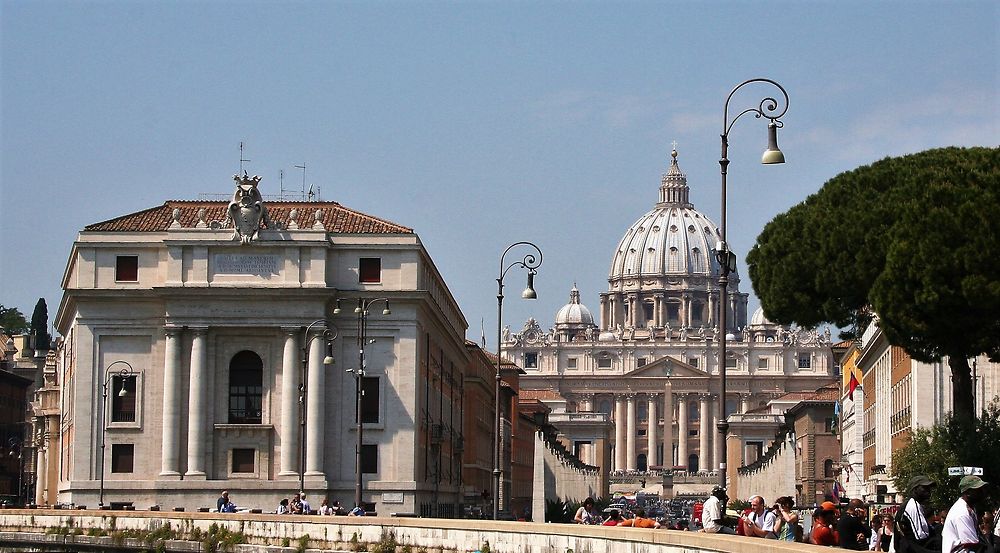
(649, 365)
(219, 310)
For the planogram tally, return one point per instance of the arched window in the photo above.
(246, 388)
(828, 468)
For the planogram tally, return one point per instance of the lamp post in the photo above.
(530, 263)
(362, 311)
(768, 108)
(124, 373)
(329, 334)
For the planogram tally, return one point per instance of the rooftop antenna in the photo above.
(281, 183)
(303, 167)
(241, 157)
(310, 194)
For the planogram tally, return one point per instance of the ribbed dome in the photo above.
(759, 319)
(574, 313)
(671, 239)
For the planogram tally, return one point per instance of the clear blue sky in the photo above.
(478, 124)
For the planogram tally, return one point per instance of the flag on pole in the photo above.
(852, 385)
(837, 489)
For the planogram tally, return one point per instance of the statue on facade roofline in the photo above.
(247, 210)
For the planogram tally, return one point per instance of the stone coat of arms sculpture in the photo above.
(247, 210)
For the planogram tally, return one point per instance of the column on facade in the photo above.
(745, 403)
(630, 433)
(315, 409)
(712, 319)
(682, 430)
(170, 448)
(604, 312)
(619, 433)
(686, 307)
(41, 472)
(289, 435)
(704, 433)
(651, 433)
(668, 426)
(198, 404)
(716, 436)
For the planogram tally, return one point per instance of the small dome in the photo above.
(759, 319)
(574, 313)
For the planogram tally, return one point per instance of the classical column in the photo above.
(170, 448)
(41, 472)
(653, 422)
(682, 430)
(630, 434)
(198, 405)
(716, 439)
(619, 433)
(704, 433)
(668, 426)
(315, 409)
(289, 432)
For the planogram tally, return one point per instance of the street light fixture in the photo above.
(329, 334)
(727, 259)
(530, 263)
(124, 373)
(359, 373)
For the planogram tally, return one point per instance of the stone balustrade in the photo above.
(271, 533)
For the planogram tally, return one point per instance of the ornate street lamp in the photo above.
(530, 263)
(124, 373)
(768, 108)
(362, 311)
(329, 334)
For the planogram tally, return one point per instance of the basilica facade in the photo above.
(639, 388)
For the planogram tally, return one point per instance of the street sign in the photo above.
(965, 471)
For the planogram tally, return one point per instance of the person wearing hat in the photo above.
(824, 525)
(961, 528)
(711, 513)
(913, 527)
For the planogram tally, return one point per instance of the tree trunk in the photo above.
(963, 395)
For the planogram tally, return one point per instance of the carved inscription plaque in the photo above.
(246, 264)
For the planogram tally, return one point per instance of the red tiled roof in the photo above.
(539, 394)
(335, 217)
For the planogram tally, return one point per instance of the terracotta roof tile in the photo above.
(335, 217)
(540, 394)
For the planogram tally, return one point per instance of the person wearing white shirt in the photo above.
(712, 513)
(961, 528)
(758, 523)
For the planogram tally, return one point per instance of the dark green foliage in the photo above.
(40, 326)
(557, 510)
(12, 320)
(909, 238)
(951, 443)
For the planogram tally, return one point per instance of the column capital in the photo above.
(198, 330)
(292, 330)
(172, 330)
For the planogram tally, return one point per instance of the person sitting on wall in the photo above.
(586, 514)
(759, 522)
(786, 521)
(712, 513)
(824, 526)
(614, 518)
(357, 511)
(640, 520)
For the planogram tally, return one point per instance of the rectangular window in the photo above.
(530, 360)
(369, 400)
(640, 362)
(127, 268)
(730, 361)
(571, 363)
(829, 425)
(369, 459)
(370, 270)
(647, 312)
(604, 362)
(121, 457)
(693, 362)
(246, 393)
(804, 361)
(123, 398)
(762, 362)
(243, 460)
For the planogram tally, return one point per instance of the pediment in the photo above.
(667, 366)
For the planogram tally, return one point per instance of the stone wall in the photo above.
(267, 532)
(559, 474)
(771, 476)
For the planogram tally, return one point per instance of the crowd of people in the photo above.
(586, 514)
(964, 528)
(297, 505)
